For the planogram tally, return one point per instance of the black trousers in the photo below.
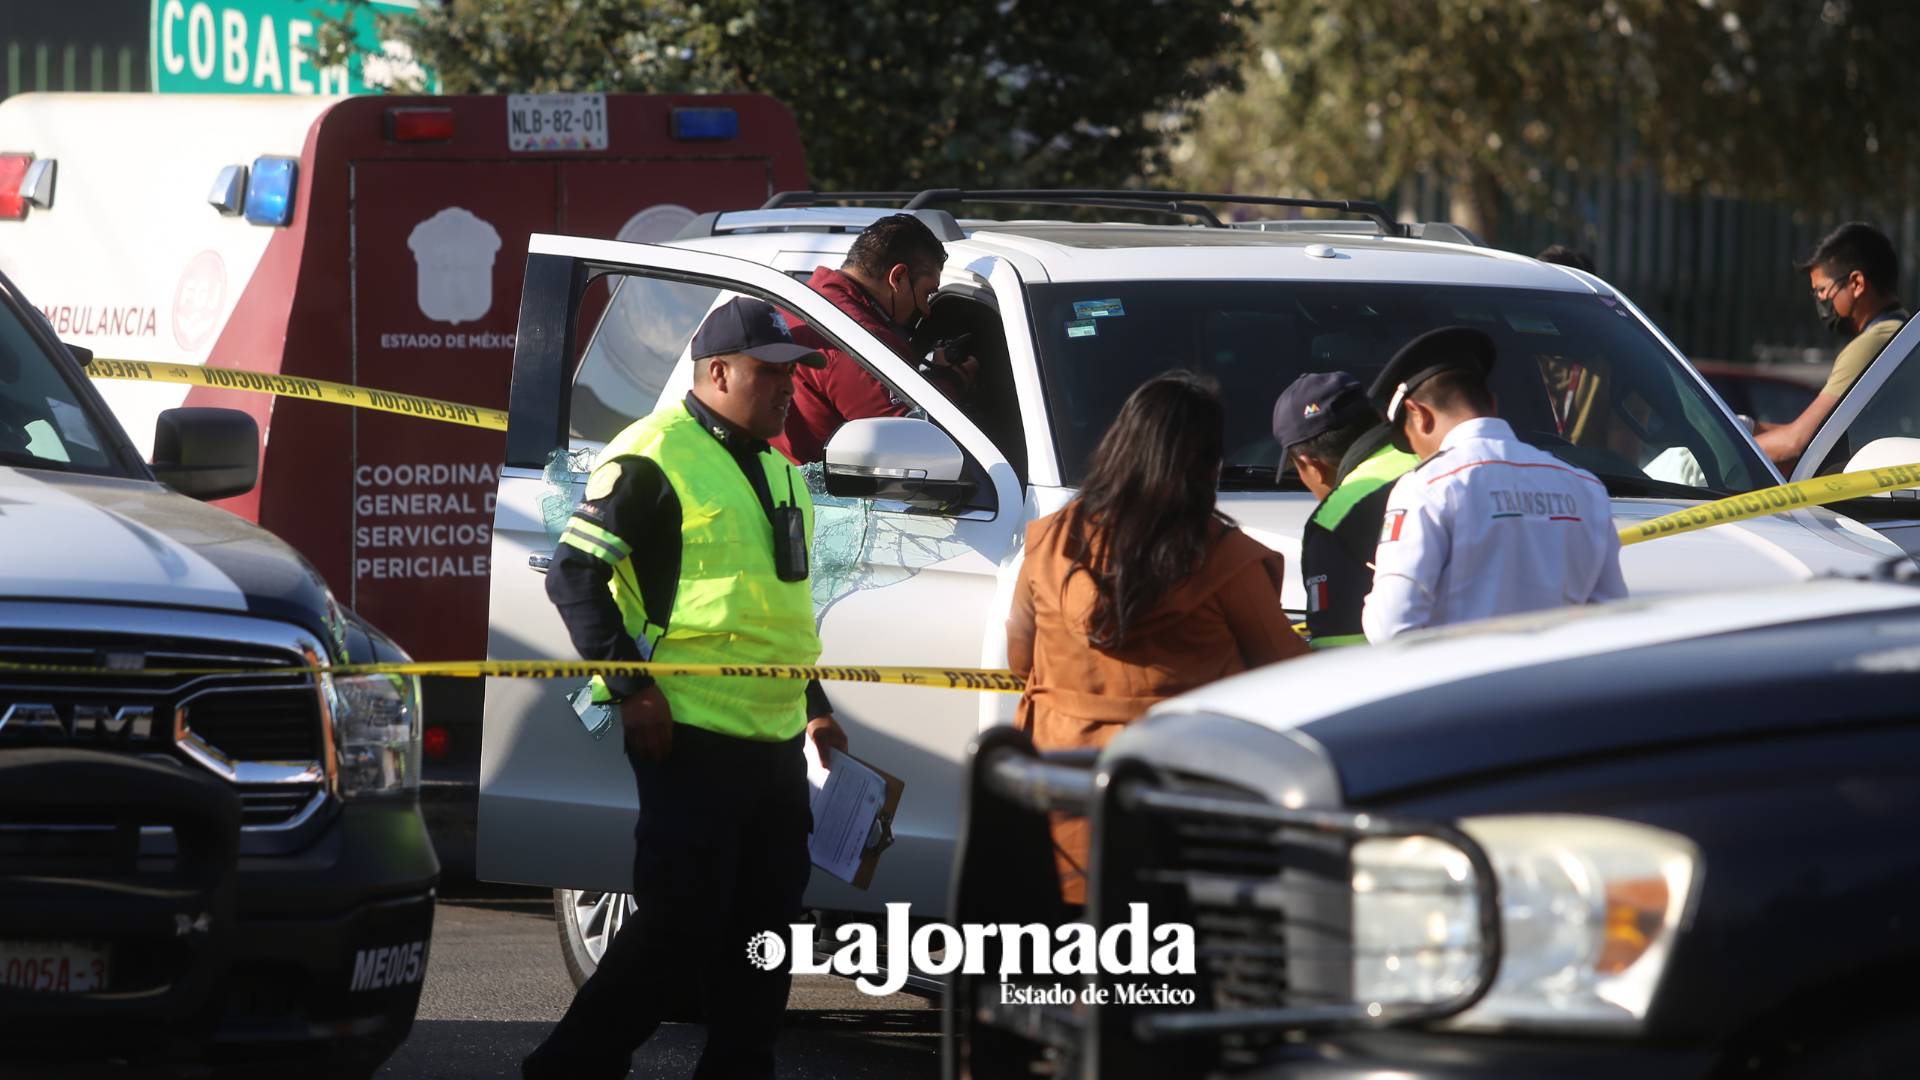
(721, 855)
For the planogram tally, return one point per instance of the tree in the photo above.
(888, 93)
(1755, 98)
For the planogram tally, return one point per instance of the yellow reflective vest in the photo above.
(730, 606)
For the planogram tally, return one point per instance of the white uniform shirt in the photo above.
(1490, 526)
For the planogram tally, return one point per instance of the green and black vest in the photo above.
(1336, 548)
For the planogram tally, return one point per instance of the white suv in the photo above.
(1067, 318)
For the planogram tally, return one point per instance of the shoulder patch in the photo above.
(1316, 594)
(1390, 526)
(601, 483)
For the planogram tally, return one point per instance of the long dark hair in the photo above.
(1141, 522)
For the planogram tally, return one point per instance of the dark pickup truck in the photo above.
(222, 871)
(1656, 839)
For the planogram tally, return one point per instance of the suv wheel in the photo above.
(588, 921)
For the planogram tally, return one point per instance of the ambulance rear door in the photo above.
(439, 229)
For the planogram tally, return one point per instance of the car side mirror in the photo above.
(898, 460)
(81, 354)
(206, 453)
(1882, 453)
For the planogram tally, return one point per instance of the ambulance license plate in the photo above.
(537, 122)
(53, 967)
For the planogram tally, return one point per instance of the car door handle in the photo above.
(541, 563)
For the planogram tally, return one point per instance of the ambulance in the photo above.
(376, 241)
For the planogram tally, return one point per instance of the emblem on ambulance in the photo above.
(197, 300)
(453, 265)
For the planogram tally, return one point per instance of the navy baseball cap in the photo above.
(754, 327)
(1315, 404)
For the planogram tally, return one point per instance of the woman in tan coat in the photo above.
(1139, 589)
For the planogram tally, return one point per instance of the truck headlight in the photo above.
(376, 733)
(1589, 910)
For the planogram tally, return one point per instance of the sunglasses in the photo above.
(1831, 288)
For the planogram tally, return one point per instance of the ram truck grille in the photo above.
(261, 732)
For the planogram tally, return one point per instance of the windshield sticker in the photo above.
(1097, 309)
(1082, 328)
(1532, 324)
(72, 421)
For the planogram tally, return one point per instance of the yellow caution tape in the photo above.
(261, 382)
(1775, 500)
(996, 681)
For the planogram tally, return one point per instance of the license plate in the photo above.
(556, 122)
(53, 967)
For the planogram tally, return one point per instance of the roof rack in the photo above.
(802, 216)
(783, 199)
(1170, 201)
(1443, 231)
(1143, 202)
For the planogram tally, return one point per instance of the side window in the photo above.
(994, 403)
(1893, 412)
(41, 419)
(632, 353)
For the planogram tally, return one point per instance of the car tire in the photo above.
(587, 923)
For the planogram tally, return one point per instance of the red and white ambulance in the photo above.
(377, 241)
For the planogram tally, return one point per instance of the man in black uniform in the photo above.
(691, 548)
(1326, 426)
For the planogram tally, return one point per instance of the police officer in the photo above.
(1486, 525)
(691, 546)
(1329, 430)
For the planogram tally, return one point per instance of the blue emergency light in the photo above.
(690, 125)
(270, 185)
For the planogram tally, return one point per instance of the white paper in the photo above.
(846, 800)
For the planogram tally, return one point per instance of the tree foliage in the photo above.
(888, 93)
(1772, 99)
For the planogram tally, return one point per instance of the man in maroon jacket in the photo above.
(886, 284)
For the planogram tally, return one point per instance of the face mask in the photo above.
(1831, 319)
(911, 323)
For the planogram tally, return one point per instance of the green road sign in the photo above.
(267, 47)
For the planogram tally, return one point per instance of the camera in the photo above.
(956, 349)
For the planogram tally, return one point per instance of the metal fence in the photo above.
(42, 49)
(1716, 274)
(48, 66)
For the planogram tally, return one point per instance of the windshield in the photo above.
(44, 423)
(1576, 375)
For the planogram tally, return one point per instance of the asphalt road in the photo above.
(495, 984)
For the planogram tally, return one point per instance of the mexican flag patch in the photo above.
(1316, 594)
(1390, 527)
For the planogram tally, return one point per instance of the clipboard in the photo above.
(840, 813)
(880, 836)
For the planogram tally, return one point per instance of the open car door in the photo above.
(892, 584)
(1877, 424)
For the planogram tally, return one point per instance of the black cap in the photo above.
(1449, 348)
(1315, 404)
(754, 327)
